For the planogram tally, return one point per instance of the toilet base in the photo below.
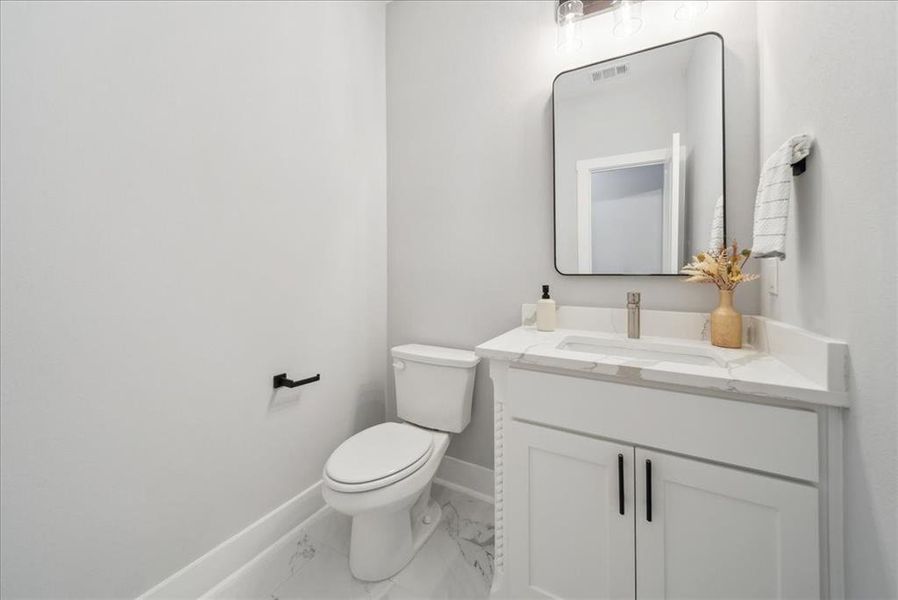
(382, 544)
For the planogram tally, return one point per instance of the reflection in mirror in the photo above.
(639, 160)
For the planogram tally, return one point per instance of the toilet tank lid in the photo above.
(436, 355)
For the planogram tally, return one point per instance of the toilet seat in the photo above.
(377, 457)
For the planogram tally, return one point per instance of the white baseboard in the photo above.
(217, 564)
(466, 477)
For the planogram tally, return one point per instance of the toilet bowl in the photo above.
(381, 476)
(391, 520)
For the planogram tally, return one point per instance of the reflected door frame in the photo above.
(674, 200)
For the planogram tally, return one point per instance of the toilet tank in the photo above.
(434, 385)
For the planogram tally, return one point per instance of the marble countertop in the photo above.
(786, 373)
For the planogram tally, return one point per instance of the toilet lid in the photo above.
(386, 451)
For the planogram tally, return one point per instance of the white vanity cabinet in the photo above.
(701, 530)
(613, 490)
(570, 529)
(720, 532)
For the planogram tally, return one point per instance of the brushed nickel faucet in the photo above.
(633, 315)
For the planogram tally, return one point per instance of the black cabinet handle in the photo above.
(620, 482)
(282, 381)
(648, 490)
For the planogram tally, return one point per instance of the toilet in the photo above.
(381, 476)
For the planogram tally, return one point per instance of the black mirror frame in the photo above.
(723, 168)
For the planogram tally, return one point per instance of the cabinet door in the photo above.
(718, 532)
(565, 534)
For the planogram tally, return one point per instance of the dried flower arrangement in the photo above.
(722, 267)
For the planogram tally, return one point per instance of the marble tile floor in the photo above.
(312, 561)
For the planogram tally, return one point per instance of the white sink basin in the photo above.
(642, 350)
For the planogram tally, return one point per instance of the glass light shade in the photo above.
(627, 18)
(687, 11)
(568, 17)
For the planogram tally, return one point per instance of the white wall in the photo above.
(470, 170)
(829, 69)
(193, 199)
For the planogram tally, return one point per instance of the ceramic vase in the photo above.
(726, 323)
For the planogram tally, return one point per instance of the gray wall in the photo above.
(839, 274)
(703, 117)
(628, 220)
(629, 119)
(193, 199)
(470, 170)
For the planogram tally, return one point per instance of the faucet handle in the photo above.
(632, 297)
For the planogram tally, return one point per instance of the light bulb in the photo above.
(627, 18)
(687, 11)
(568, 18)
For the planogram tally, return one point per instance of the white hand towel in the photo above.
(715, 241)
(774, 196)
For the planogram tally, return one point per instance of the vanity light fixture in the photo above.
(627, 18)
(568, 15)
(687, 11)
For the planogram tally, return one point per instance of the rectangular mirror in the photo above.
(639, 160)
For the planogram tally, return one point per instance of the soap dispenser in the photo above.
(545, 312)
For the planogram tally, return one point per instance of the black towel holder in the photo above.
(799, 167)
(282, 381)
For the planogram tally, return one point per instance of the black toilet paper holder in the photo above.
(281, 380)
